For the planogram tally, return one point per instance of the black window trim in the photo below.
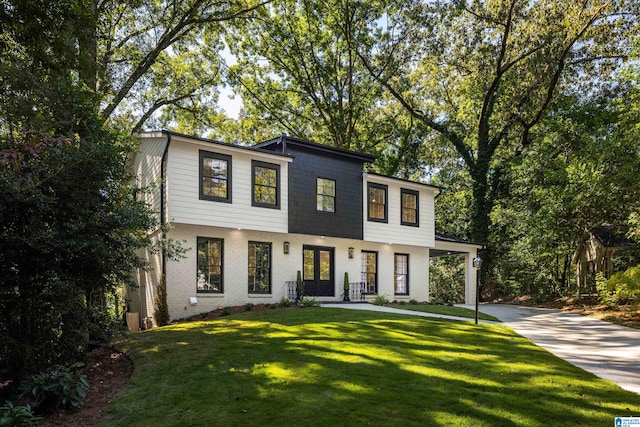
(203, 291)
(335, 194)
(404, 191)
(386, 202)
(267, 292)
(265, 165)
(395, 271)
(218, 156)
(376, 281)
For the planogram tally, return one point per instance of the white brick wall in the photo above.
(181, 276)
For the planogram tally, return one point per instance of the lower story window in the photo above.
(370, 271)
(259, 267)
(401, 276)
(210, 262)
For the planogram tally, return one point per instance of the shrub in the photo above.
(413, 302)
(380, 300)
(402, 302)
(62, 388)
(284, 302)
(309, 302)
(446, 283)
(225, 311)
(248, 307)
(18, 416)
(161, 313)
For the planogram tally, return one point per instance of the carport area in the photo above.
(452, 246)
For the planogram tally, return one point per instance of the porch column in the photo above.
(469, 279)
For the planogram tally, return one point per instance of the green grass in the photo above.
(336, 367)
(445, 309)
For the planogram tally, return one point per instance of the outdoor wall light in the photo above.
(285, 247)
(350, 253)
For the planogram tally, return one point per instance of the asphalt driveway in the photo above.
(609, 351)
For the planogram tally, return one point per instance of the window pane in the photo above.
(369, 274)
(209, 265)
(309, 273)
(401, 274)
(377, 202)
(265, 186)
(325, 265)
(214, 177)
(409, 208)
(326, 192)
(259, 273)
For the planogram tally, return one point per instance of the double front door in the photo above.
(318, 271)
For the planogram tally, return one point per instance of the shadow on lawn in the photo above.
(331, 366)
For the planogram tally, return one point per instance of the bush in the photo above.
(284, 302)
(63, 388)
(248, 307)
(446, 283)
(413, 302)
(380, 300)
(309, 302)
(17, 416)
(625, 286)
(225, 311)
(161, 312)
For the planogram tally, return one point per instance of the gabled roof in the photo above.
(288, 140)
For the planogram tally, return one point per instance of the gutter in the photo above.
(163, 214)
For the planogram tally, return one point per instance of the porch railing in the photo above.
(357, 291)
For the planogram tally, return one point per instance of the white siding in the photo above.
(184, 205)
(147, 165)
(393, 231)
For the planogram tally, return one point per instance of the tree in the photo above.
(298, 72)
(484, 74)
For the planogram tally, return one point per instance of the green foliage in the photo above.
(61, 388)
(446, 280)
(605, 295)
(625, 286)
(248, 306)
(299, 285)
(284, 302)
(308, 302)
(161, 313)
(226, 311)
(413, 302)
(17, 416)
(345, 282)
(380, 300)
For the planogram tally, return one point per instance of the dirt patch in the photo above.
(108, 371)
(226, 311)
(624, 315)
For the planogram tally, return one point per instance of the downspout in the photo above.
(163, 213)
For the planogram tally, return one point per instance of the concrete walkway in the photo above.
(609, 351)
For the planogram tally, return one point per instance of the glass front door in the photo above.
(318, 272)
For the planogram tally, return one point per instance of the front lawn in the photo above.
(324, 367)
(445, 309)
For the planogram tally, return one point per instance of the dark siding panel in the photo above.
(304, 218)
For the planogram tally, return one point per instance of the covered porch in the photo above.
(452, 246)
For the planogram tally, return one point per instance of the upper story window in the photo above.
(377, 206)
(265, 180)
(409, 203)
(215, 177)
(326, 195)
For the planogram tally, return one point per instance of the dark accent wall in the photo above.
(304, 218)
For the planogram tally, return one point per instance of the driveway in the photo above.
(609, 351)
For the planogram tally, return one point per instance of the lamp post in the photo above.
(477, 263)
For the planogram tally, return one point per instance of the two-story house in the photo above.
(252, 217)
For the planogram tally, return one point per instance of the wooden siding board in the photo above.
(304, 218)
(184, 205)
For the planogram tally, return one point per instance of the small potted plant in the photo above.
(346, 287)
